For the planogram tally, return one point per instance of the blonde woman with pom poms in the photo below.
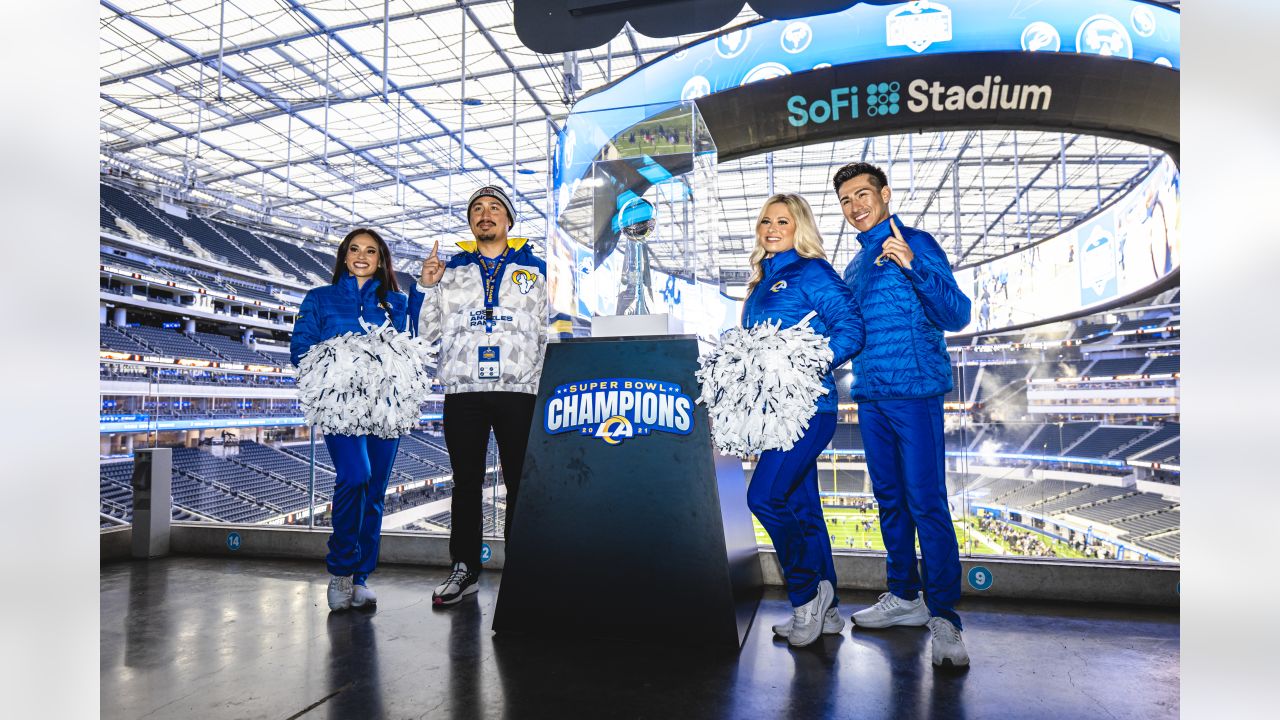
(364, 288)
(791, 280)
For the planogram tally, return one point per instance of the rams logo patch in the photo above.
(615, 430)
(778, 286)
(524, 280)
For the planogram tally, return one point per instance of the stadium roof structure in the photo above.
(313, 116)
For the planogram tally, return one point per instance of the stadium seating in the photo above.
(1140, 323)
(985, 489)
(494, 521)
(106, 219)
(1052, 439)
(270, 460)
(208, 238)
(207, 498)
(304, 260)
(848, 436)
(258, 486)
(1007, 436)
(1050, 370)
(995, 378)
(232, 350)
(142, 217)
(120, 261)
(429, 448)
(1169, 454)
(1164, 544)
(962, 380)
(1111, 367)
(169, 343)
(1038, 492)
(1125, 507)
(1085, 330)
(1163, 434)
(1106, 440)
(1084, 496)
(1164, 365)
(259, 249)
(109, 338)
(1143, 525)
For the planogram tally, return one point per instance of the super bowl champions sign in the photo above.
(616, 409)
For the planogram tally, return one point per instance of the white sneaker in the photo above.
(460, 583)
(806, 625)
(363, 595)
(892, 610)
(339, 593)
(948, 647)
(832, 624)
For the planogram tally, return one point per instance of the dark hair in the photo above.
(385, 274)
(853, 170)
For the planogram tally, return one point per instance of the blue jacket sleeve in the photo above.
(415, 308)
(400, 313)
(839, 310)
(943, 302)
(306, 328)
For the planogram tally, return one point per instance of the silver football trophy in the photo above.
(638, 219)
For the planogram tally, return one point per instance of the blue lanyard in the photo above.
(492, 275)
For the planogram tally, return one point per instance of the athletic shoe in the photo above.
(807, 623)
(339, 592)
(362, 595)
(948, 646)
(832, 624)
(460, 583)
(892, 610)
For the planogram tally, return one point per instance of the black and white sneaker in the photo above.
(460, 583)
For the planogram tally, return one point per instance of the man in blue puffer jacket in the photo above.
(904, 289)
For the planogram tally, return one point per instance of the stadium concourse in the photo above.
(239, 143)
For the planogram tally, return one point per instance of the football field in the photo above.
(852, 529)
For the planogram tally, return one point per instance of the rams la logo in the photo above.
(617, 409)
(615, 430)
(778, 286)
(524, 280)
(488, 354)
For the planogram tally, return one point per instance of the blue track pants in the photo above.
(905, 457)
(784, 496)
(364, 465)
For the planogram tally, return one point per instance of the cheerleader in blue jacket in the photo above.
(790, 277)
(364, 287)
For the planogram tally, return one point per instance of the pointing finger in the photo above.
(892, 226)
(435, 249)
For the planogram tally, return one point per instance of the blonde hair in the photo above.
(808, 241)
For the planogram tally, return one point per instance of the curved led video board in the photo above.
(1128, 247)
(1094, 67)
(1091, 66)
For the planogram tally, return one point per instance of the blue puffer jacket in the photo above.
(904, 313)
(792, 287)
(331, 310)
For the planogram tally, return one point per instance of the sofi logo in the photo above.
(887, 98)
(617, 409)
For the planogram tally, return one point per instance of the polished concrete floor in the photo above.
(193, 638)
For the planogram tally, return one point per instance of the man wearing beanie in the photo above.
(488, 307)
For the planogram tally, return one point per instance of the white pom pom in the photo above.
(761, 386)
(370, 384)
